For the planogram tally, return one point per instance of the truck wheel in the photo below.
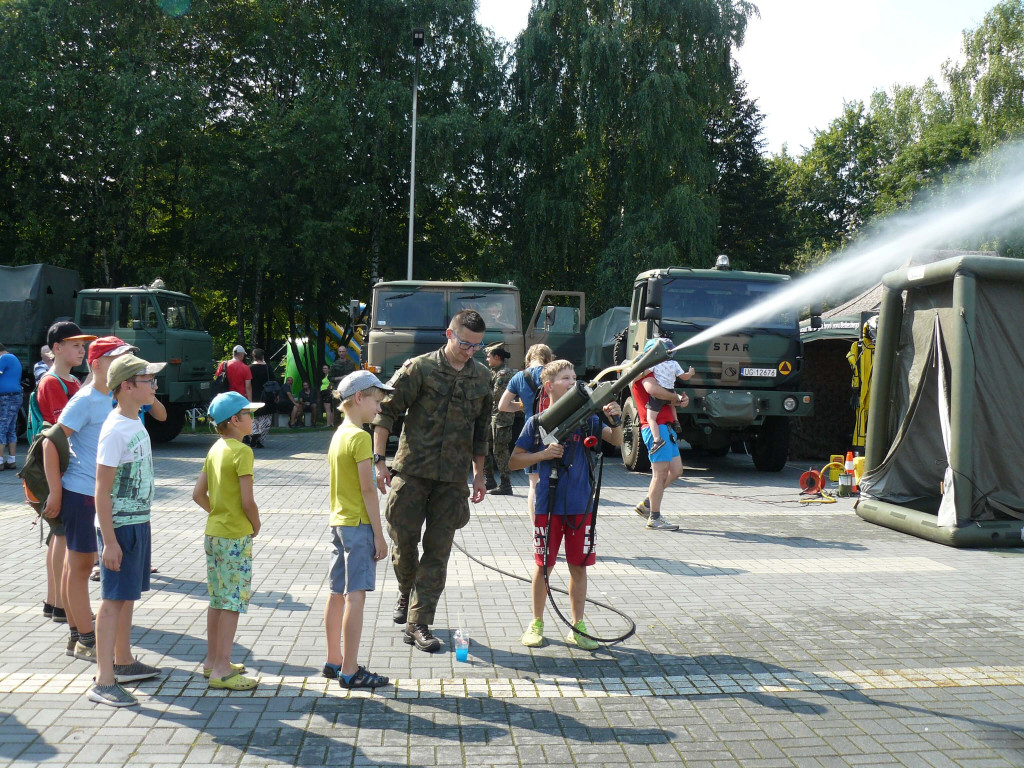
(769, 446)
(634, 452)
(619, 347)
(165, 431)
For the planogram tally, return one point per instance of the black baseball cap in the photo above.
(65, 330)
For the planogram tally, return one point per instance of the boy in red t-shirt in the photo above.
(56, 387)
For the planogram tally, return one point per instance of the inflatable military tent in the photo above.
(945, 442)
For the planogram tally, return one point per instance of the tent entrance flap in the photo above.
(913, 469)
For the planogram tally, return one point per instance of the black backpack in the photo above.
(220, 380)
(271, 393)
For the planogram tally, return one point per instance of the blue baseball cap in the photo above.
(651, 342)
(227, 404)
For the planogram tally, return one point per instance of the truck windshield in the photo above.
(498, 308)
(410, 309)
(705, 302)
(180, 314)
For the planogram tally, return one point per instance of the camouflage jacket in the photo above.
(500, 377)
(447, 416)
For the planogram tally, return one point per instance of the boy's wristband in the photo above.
(377, 458)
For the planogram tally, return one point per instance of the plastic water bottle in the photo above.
(461, 645)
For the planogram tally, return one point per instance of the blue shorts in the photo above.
(79, 514)
(353, 568)
(133, 579)
(668, 451)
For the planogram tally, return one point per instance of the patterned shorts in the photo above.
(229, 572)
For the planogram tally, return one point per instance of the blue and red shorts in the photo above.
(577, 533)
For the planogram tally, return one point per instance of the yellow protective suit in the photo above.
(861, 356)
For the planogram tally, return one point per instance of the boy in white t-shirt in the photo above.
(665, 374)
(124, 497)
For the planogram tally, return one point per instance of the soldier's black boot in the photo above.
(401, 614)
(505, 489)
(489, 483)
(421, 636)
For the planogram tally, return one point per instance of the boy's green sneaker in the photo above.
(534, 635)
(574, 638)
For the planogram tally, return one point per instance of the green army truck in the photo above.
(409, 318)
(163, 324)
(746, 385)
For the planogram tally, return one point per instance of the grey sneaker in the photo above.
(643, 509)
(111, 695)
(70, 650)
(661, 524)
(85, 652)
(130, 673)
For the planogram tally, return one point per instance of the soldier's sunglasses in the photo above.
(465, 344)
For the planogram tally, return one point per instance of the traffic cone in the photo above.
(849, 471)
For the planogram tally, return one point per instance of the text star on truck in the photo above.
(746, 384)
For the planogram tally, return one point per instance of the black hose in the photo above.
(611, 641)
(595, 498)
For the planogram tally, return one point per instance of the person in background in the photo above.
(261, 419)
(521, 395)
(10, 404)
(327, 396)
(306, 404)
(501, 423)
(239, 374)
(45, 361)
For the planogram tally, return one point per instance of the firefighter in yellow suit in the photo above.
(861, 356)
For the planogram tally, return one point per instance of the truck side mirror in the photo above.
(353, 310)
(816, 321)
(550, 316)
(652, 304)
(136, 325)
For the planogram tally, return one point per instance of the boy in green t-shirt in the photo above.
(224, 490)
(356, 530)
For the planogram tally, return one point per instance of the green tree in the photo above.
(612, 102)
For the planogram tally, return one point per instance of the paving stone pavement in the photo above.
(769, 633)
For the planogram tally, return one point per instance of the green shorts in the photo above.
(229, 572)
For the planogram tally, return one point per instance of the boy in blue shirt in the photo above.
(571, 516)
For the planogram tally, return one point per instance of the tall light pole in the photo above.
(417, 42)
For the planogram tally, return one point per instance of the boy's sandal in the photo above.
(233, 682)
(364, 678)
(95, 575)
(239, 668)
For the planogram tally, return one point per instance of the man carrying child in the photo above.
(571, 516)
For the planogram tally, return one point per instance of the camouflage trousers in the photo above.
(497, 456)
(428, 510)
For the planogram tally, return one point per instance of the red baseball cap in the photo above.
(108, 345)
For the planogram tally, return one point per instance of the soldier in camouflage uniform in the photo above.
(446, 398)
(501, 423)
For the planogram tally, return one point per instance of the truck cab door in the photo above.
(559, 320)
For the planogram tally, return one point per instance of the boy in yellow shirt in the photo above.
(356, 529)
(224, 490)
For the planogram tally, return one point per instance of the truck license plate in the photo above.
(769, 373)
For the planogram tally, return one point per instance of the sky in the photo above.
(802, 59)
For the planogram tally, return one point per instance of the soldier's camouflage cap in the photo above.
(498, 348)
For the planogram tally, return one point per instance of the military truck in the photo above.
(409, 318)
(163, 324)
(746, 383)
